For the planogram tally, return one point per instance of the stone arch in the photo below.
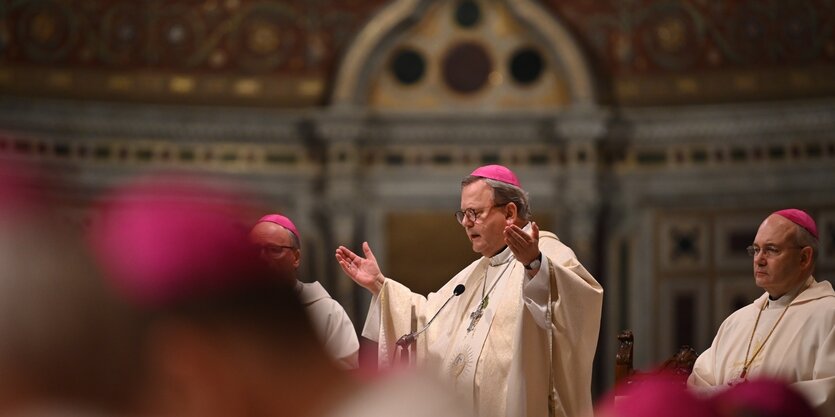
(365, 54)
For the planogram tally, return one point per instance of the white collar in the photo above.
(502, 257)
(788, 297)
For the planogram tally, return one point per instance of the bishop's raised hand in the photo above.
(525, 246)
(364, 271)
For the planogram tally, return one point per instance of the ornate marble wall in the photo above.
(652, 135)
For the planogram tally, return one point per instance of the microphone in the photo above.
(408, 339)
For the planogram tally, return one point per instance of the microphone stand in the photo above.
(406, 342)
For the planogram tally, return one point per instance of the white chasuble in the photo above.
(461, 363)
(531, 349)
(800, 349)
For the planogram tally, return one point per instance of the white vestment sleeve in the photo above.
(371, 330)
(703, 375)
(820, 391)
(535, 293)
(552, 359)
(394, 312)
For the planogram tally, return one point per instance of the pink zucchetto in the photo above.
(162, 242)
(654, 395)
(762, 397)
(800, 218)
(282, 221)
(498, 173)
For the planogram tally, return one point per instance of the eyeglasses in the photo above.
(275, 250)
(769, 251)
(474, 215)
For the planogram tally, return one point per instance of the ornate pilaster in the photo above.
(580, 132)
(340, 191)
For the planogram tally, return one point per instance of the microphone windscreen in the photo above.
(459, 289)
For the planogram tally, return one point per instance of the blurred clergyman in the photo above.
(279, 242)
(789, 332)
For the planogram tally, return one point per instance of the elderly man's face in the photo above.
(778, 265)
(486, 232)
(277, 248)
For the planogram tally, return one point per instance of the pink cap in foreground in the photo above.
(159, 243)
(762, 397)
(655, 395)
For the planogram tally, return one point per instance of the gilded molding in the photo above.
(352, 77)
(565, 50)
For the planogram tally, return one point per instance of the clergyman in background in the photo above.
(280, 245)
(787, 333)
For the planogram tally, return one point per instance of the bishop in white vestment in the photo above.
(789, 332)
(520, 340)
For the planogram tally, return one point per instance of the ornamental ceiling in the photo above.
(287, 53)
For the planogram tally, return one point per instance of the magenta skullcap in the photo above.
(282, 221)
(655, 395)
(498, 173)
(160, 243)
(762, 397)
(800, 218)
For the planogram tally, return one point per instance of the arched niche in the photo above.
(482, 55)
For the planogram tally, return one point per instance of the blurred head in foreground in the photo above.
(173, 315)
(655, 395)
(65, 342)
(664, 395)
(761, 398)
(223, 336)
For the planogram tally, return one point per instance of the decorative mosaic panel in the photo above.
(285, 53)
(683, 244)
(734, 233)
(252, 36)
(247, 51)
(679, 51)
(662, 36)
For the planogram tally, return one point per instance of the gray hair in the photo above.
(803, 238)
(504, 193)
(296, 243)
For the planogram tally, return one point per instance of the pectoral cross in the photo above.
(475, 316)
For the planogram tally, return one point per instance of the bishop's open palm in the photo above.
(364, 271)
